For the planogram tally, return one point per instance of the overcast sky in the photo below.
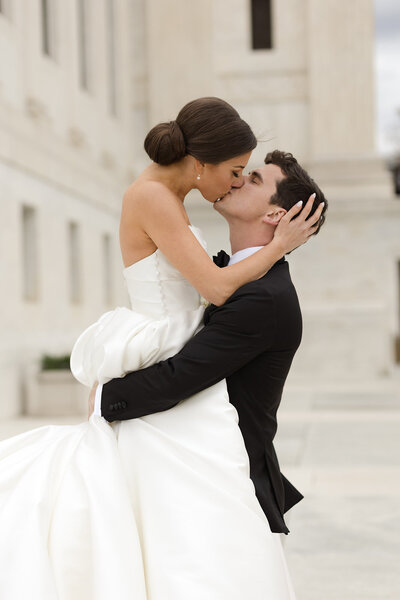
(387, 62)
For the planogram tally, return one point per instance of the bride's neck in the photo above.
(177, 177)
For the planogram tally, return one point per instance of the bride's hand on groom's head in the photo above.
(297, 225)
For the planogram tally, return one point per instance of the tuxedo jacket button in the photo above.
(111, 406)
(123, 403)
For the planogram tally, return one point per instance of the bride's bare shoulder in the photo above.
(149, 199)
(148, 190)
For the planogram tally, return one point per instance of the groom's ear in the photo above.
(274, 215)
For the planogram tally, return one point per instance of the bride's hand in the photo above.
(291, 233)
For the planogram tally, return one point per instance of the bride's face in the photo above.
(217, 180)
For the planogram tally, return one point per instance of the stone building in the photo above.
(80, 84)
(66, 155)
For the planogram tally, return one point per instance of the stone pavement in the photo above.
(342, 450)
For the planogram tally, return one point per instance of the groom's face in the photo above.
(251, 202)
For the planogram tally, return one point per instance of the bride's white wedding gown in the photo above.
(157, 508)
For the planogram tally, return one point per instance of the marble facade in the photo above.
(71, 136)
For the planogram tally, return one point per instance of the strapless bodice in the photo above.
(165, 312)
(157, 289)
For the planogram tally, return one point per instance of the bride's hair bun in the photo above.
(165, 143)
(209, 129)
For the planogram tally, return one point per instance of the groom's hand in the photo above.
(91, 399)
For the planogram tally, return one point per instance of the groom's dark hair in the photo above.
(296, 185)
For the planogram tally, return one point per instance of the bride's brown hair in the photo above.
(208, 128)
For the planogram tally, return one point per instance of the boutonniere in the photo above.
(204, 302)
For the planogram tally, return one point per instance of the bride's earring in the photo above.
(198, 177)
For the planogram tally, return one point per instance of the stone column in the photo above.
(341, 96)
(179, 55)
(340, 59)
(345, 276)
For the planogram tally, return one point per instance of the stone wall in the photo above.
(65, 155)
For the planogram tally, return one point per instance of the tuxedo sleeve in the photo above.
(233, 335)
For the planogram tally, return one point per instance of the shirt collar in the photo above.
(242, 254)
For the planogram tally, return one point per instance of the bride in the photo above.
(162, 507)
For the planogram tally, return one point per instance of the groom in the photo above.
(250, 340)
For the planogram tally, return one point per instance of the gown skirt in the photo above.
(156, 508)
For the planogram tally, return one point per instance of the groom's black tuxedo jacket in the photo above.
(250, 340)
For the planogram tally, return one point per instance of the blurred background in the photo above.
(81, 83)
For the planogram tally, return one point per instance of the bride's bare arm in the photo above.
(157, 212)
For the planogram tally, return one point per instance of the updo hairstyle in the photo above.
(209, 129)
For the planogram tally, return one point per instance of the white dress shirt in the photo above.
(242, 254)
(235, 258)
